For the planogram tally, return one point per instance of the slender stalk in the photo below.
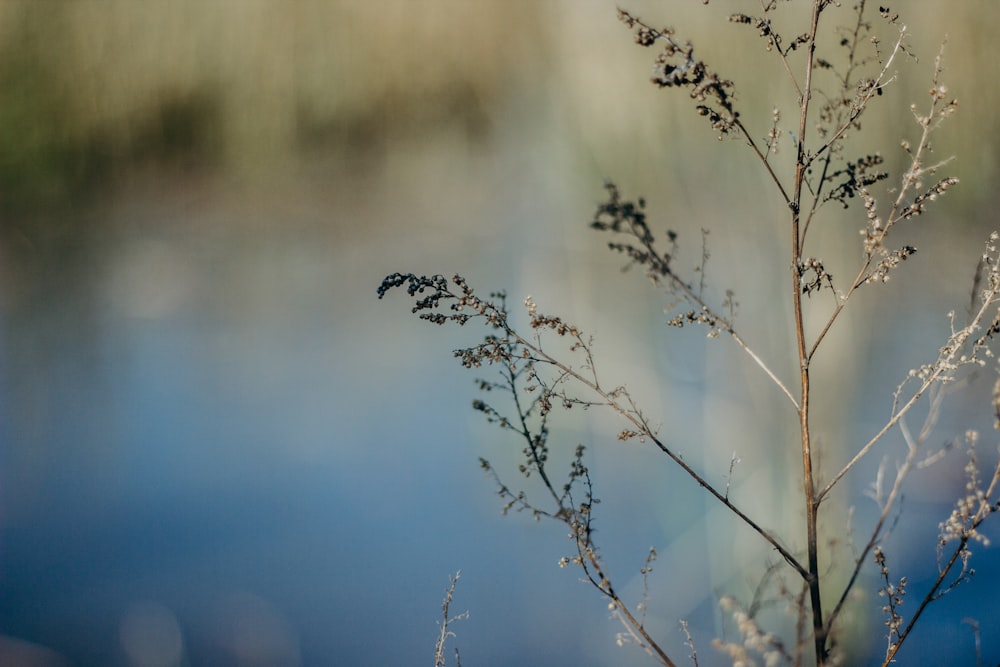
(808, 482)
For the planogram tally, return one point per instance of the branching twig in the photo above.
(446, 620)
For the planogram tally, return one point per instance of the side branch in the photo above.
(629, 218)
(634, 416)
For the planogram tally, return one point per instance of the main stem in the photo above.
(809, 490)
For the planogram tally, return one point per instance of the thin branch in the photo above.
(626, 218)
(874, 88)
(913, 450)
(635, 418)
(951, 356)
(446, 620)
(782, 54)
(897, 212)
(984, 510)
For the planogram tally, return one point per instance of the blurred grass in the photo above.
(91, 89)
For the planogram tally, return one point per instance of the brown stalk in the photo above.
(808, 482)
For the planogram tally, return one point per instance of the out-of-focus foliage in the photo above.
(90, 89)
(93, 89)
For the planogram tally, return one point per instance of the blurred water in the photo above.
(221, 449)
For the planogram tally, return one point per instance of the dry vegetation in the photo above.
(839, 66)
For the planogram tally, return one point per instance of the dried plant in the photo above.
(445, 625)
(550, 364)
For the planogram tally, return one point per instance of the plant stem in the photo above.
(809, 489)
